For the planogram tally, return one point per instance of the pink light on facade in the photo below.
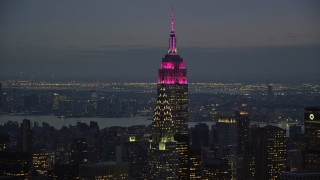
(182, 81)
(172, 80)
(169, 81)
(167, 65)
(181, 65)
(172, 76)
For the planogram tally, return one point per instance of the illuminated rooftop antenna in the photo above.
(172, 41)
(172, 19)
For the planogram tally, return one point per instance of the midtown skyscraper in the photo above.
(173, 91)
(269, 144)
(312, 138)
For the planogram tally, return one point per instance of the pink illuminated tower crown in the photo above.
(173, 70)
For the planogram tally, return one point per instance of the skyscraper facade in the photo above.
(172, 81)
(270, 152)
(312, 138)
(163, 152)
(25, 138)
(200, 135)
(79, 151)
(243, 148)
(227, 142)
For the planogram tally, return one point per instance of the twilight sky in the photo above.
(221, 40)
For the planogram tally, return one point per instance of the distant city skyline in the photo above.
(122, 41)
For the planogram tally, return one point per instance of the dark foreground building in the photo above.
(312, 138)
(300, 175)
(15, 164)
(104, 170)
(270, 152)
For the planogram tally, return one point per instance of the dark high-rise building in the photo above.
(79, 151)
(294, 160)
(200, 135)
(94, 142)
(134, 153)
(296, 148)
(173, 78)
(198, 149)
(25, 137)
(312, 138)
(243, 148)
(270, 152)
(296, 137)
(110, 141)
(195, 161)
(227, 142)
(15, 164)
(294, 131)
(243, 123)
(4, 142)
(216, 169)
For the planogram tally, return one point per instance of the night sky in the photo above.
(267, 41)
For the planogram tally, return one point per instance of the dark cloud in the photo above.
(270, 63)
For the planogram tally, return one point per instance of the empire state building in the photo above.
(171, 116)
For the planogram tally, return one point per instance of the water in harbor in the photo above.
(102, 122)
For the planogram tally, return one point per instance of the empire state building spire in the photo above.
(172, 41)
(172, 20)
